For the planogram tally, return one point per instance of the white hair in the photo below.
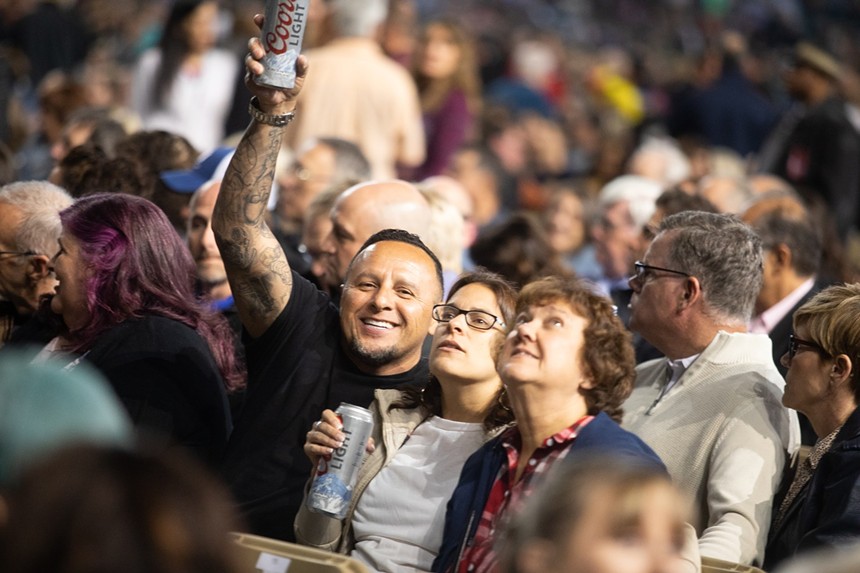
(675, 165)
(354, 18)
(640, 193)
(40, 202)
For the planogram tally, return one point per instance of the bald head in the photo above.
(367, 208)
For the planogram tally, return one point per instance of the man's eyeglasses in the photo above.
(475, 318)
(642, 270)
(18, 253)
(794, 344)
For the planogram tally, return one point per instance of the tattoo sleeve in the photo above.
(257, 267)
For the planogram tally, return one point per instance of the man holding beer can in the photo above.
(303, 354)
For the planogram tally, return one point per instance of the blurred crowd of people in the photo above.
(591, 265)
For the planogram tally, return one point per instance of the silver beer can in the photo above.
(331, 490)
(282, 33)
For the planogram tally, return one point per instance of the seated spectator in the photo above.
(600, 515)
(125, 294)
(712, 410)
(154, 152)
(88, 509)
(792, 252)
(818, 505)
(86, 169)
(395, 519)
(175, 187)
(567, 364)
(29, 228)
(320, 163)
(316, 229)
(303, 354)
(567, 218)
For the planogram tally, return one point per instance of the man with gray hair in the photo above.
(357, 93)
(29, 229)
(319, 164)
(713, 410)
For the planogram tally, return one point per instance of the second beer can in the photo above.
(331, 491)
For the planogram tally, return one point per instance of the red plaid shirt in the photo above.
(505, 496)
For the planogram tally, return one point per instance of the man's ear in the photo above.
(38, 268)
(692, 291)
(782, 255)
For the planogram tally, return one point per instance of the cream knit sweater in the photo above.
(723, 434)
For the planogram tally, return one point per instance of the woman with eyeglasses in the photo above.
(819, 503)
(422, 436)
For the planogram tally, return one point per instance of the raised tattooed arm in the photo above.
(257, 268)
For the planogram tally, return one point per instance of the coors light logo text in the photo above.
(289, 21)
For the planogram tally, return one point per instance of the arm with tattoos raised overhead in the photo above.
(257, 268)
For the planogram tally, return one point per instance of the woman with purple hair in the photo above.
(126, 297)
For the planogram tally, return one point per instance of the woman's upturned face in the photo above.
(652, 545)
(70, 299)
(461, 352)
(440, 53)
(545, 347)
(807, 384)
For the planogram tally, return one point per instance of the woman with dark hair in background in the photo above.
(126, 297)
(184, 85)
(423, 436)
(446, 73)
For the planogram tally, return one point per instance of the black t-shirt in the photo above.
(296, 369)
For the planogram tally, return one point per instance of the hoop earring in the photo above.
(502, 398)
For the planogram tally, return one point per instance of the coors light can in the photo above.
(281, 36)
(332, 488)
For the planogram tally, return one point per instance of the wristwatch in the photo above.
(275, 120)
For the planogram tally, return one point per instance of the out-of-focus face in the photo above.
(616, 241)
(201, 239)
(653, 545)
(440, 54)
(565, 223)
(807, 387)
(70, 300)
(310, 173)
(13, 268)
(479, 183)
(461, 352)
(201, 27)
(314, 234)
(350, 229)
(385, 310)
(73, 136)
(544, 347)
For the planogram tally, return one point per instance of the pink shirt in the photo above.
(766, 321)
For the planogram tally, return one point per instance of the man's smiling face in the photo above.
(385, 310)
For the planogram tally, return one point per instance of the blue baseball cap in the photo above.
(208, 168)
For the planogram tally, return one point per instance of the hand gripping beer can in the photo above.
(283, 30)
(331, 490)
